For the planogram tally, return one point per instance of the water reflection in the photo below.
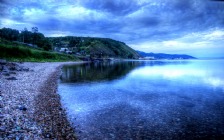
(107, 71)
(96, 71)
(148, 99)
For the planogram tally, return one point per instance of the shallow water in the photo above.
(145, 99)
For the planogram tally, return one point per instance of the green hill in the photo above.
(14, 51)
(95, 47)
(82, 47)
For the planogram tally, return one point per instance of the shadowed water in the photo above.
(145, 99)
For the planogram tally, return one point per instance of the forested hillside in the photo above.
(82, 46)
(28, 46)
(95, 47)
(32, 38)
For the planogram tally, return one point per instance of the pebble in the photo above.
(16, 104)
(18, 138)
(18, 128)
(2, 129)
(1, 116)
(48, 135)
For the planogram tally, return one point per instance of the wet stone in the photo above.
(12, 66)
(12, 72)
(2, 129)
(1, 67)
(6, 73)
(26, 69)
(3, 61)
(11, 78)
(23, 108)
(11, 137)
(5, 69)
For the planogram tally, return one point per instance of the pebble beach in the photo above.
(30, 107)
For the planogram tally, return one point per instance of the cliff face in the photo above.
(98, 47)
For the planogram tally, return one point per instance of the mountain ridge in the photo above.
(152, 55)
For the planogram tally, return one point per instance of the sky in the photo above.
(194, 27)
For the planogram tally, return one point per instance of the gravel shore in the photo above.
(30, 107)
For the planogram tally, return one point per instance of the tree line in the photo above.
(86, 46)
(25, 36)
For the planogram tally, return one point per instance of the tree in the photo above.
(26, 36)
(9, 34)
(34, 31)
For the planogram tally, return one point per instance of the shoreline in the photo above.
(30, 106)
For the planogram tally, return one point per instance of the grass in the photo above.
(17, 52)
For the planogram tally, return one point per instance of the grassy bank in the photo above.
(17, 52)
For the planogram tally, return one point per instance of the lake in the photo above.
(145, 99)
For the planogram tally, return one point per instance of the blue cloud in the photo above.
(131, 21)
(117, 7)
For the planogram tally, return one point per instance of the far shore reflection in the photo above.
(107, 70)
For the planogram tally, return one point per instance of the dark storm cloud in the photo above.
(217, 0)
(3, 7)
(126, 20)
(49, 24)
(190, 16)
(117, 7)
(15, 9)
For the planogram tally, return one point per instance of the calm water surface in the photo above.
(145, 99)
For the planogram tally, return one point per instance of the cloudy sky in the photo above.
(194, 27)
